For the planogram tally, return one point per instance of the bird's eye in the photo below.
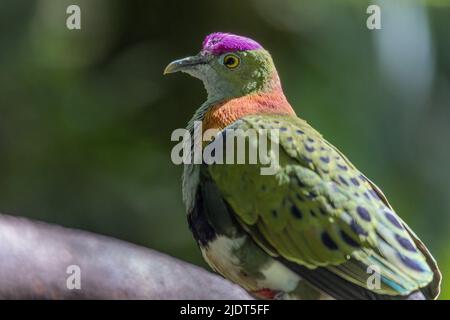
(231, 61)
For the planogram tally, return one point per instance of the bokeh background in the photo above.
(86, 116)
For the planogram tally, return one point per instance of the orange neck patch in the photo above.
(229, 111)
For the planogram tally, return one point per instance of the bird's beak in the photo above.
(185, 63)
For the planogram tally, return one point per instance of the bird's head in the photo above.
(229, 66)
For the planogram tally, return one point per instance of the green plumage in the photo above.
(317, 228)
(320, 211)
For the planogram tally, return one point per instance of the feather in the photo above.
(323, 215)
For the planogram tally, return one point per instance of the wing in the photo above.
(319, 213)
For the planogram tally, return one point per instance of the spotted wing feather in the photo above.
(320, 213)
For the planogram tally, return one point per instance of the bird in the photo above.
(317, 228)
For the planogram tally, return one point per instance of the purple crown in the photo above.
(218, 43)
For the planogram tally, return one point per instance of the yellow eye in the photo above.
(231, 61)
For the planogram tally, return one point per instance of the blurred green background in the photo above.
(86, 116)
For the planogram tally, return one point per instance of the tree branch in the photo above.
(34, 257)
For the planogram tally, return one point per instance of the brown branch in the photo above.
(34, 257)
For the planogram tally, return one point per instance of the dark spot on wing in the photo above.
(343, 181)
(392, 219)
(300, 183)
(325, 159)
(307, 159)
(405, 243)
(356, 227)
(328, 242)
(363, 213)
(413, 264)
(374, 194)
(311, 195)
(349, 240)
(296, 212)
